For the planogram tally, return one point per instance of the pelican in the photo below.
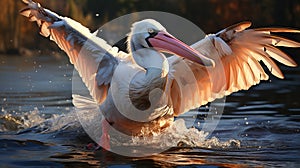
(140, 92)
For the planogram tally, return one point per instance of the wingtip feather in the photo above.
(278, 30)
(281, 41)
(26, 1)
(236, 27)
(25, 12)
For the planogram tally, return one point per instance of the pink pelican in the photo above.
(235, 51)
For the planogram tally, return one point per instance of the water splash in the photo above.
(178, 135)
(60, 123)
(36, 121)
(15, 121)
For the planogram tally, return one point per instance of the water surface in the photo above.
(259, 127)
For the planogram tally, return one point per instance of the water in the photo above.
(38, 126)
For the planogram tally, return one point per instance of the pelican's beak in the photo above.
(165, 42)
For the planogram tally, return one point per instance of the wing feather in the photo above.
(280, 56)
(237, 52)
(91, 56)
(280, 41)
(269, 30)
(271, 65)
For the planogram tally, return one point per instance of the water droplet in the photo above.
(97, 14)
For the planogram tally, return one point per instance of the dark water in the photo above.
(37, 127)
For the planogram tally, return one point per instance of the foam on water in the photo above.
(176, 135)
(179, 135)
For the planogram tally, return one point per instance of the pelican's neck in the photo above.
(154, 62)
(156, 69)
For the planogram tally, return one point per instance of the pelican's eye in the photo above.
(152, 34)
(151, 31)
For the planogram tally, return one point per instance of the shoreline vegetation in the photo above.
(18, 37)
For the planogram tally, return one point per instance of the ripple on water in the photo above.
(260, 127)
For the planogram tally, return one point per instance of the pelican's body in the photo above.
(142, 91)
(129, 94)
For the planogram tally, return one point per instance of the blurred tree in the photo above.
(10, 26)
(210, 15)
(76, 10)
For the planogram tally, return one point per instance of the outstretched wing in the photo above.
(93, 58)
(237, 52)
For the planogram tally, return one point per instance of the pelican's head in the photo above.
(150, 34)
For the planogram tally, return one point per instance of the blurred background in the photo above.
(18, 37)
(36, 82)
